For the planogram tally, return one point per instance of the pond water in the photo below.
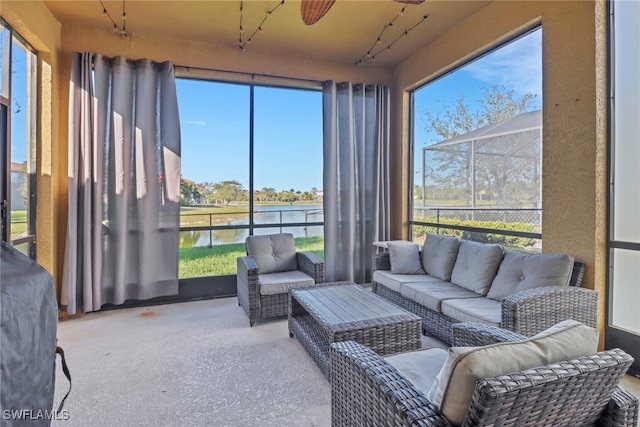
(263, 214)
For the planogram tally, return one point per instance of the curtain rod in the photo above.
(249, 74)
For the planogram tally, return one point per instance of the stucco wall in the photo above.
(573, 165)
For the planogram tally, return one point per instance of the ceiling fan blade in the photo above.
(313, 10)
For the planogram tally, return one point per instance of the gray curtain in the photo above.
(356, 177)
(124, 182)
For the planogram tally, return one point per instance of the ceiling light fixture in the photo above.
(370, 55)
(242, 44)
(122, 30)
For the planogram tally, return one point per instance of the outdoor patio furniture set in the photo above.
(499, 370)
(451, 280)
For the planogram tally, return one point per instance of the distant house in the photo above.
(320, 195)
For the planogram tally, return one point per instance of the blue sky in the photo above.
(288, 123)
(517, 65)
(215, 135)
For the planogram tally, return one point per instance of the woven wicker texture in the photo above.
(345, 311)
(527, 312)
(259, 306)
(367, 391)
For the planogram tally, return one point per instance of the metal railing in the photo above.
(481, 220)
(296, 221)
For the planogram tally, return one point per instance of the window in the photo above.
(251, 164)
(477, 149)
(18, 140)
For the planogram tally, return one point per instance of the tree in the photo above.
(451, 169)
(227, 191)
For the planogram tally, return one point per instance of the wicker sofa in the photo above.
(503, 382)
(451, 280)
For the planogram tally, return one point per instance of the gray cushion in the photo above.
(431, 294)
(420, 367)
(521, 271)
(476, 265)
(439, 254)
(280, 283)
(395, 281)
(480, 310)
(273, 252)
(453, 387)
(404, 257)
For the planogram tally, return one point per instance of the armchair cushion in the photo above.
(420, 367)
(454, 384)
(476, 265)
(404, 258)
(439, 254)
(521, 271)
(280, 283)
(273, 253)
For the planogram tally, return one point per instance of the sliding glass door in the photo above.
(18, 141)
(623, 319)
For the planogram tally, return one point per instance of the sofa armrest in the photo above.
(622, 409)
(534, 310)
(469, 334)
(381, 261)
(311, 264)
(368, 391)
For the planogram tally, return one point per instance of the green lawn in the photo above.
(221, 259)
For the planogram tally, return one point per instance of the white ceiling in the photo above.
(344, 34)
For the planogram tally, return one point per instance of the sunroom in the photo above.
(257, 73)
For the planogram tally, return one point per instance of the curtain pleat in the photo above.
(124, 163)
(356, 177)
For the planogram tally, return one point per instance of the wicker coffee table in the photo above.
(340, 311)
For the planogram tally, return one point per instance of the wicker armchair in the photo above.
(367, 391)
(263, 289)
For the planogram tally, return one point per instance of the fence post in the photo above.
(210, 230)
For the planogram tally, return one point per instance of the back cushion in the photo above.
(476, 265)
(454, 384)
(273, 252)
(439, 254)
(520, 271)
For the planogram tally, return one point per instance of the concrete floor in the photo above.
(193, 364)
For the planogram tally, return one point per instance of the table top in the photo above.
(347, 303)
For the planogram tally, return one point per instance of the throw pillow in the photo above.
(439, 254)
(454, 384)
(476, 265)
(521, 271)
(404, 257)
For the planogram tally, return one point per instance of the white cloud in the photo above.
(518, 65)
(197, 122)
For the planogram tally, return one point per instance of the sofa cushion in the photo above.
(395, 281)
(273, 252)
(280, 283)
(431, 294)
(420, 367)
(439, 254)
(520, 271)
(404, 257)
(479, 310)
(454, 384)
(476, 265)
